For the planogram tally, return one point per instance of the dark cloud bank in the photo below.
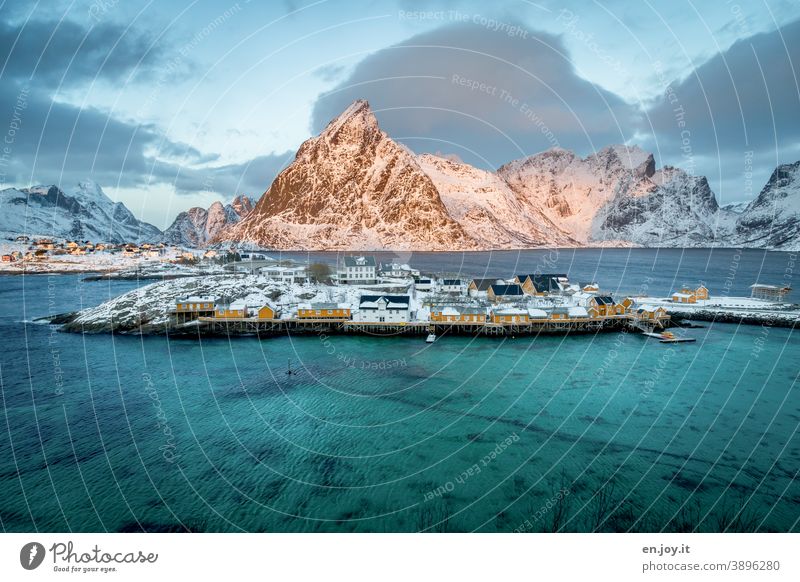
(492, 97)
(483, 94)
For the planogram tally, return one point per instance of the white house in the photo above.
(453, 286)
(285, 274)
(396, 270)
(359, 271)
(423, 284)
(383, 309)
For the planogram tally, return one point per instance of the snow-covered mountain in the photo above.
(81, 213)
(488, 209)
(772, 220)
(352, 187)
(736, 207)
(196, 226)
(617, 195)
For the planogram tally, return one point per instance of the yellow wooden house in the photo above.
(684, 296)
(196, 303)
(539, 284)
(266, 311)
(190, 308)
(235, 310)
(650, 313)
(458, 314)
(604, 305)
(510, 315)
(688, 295)
(337, 311)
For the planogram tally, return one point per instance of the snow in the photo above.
(83, 212)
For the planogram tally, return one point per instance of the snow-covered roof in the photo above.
(511, 311)
(392, 301)
(682, 295)
(359, 261)
(198, 299)
(537, 314)
(762, 286)
(578, 312)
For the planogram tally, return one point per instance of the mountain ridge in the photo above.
(615, 196)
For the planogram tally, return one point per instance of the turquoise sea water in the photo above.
(609, 432)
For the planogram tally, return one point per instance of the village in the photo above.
(365, 296)
(361, 295)
(24, 254)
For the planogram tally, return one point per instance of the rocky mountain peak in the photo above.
(197, 226)
(355, 125)
(352, 187)
(242, 204)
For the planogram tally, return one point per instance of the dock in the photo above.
(272, 327)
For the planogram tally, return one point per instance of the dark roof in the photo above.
(402, 299)
(357, 261)
(485, 283)
(451, 282)
(604, 300)
(512, 289)
(547, 281)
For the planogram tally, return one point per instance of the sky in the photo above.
(170, 104)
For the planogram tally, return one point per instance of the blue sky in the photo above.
(172, 104)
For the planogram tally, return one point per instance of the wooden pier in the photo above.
(272, 327)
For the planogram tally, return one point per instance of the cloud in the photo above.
(60, 143)
(64, 52)
(736, 114)
(488, 90)
(53, 142)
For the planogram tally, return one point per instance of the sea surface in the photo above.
(611, 432)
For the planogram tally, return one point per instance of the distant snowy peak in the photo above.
(571, 191)
(772, 220)
(242, 205)
(82, 213)
(197, 226)
(487, 208)
(352, 187)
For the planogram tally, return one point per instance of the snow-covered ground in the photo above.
(745, 309)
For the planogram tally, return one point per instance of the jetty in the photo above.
(212, 326)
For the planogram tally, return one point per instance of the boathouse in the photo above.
(510, 315)
(604, 304)
(458, 313)
(335, 311)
